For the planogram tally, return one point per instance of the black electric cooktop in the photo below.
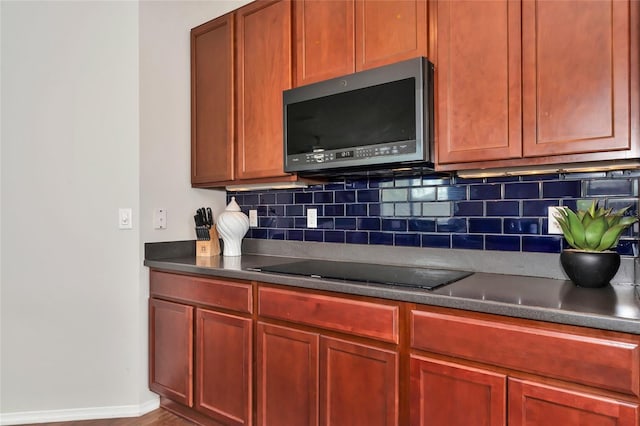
(404, 276)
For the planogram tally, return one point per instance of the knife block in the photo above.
(211, 247)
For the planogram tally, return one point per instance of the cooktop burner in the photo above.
(405, 276)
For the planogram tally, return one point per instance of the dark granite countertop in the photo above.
(615, 307)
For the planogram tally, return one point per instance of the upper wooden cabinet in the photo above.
(263, 71)
(212, 101)
(389, 31)
(324, 40)
(334, 38)
(517, 82)
(240, 64)
(535, 82)
(576, 81)
(478, 109)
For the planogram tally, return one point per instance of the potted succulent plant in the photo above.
(592, 234)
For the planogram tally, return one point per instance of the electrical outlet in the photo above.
(125, 218)
(253, 218)
(160, 218)
(312, 218)
(553, 227)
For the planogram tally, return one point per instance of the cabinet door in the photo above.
(478, 79)
(358, 384)
(389, 31)
(212, 101)
(324, 39)
(287, 376)
(171, 350)
(223, 367)
(446, 394)
(533, 404)
(576, 83)
(263, 72)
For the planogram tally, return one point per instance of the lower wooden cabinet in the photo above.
(223, 367)
(449, 394)
(297, 357)
(305, 378)
(201, 347)
(358, 384)
(577, 372)
(171, 350)
(533, 403)
(287, 377)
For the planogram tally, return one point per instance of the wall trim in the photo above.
(73, 414)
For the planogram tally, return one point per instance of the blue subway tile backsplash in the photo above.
(436, 241)
(485, 192)
(538, 207)
(599, 187)
(422, 225)
(469, 208)
(562, 189)
(522, 190)
(466, 241)
(502, 208)
(498, 213)
(485, 226)
(502, 242)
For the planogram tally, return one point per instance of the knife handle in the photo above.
(209, 217)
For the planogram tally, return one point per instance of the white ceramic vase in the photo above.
(232, 225)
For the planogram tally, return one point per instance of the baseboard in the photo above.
(27, 417)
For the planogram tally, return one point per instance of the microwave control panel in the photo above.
(356, 153)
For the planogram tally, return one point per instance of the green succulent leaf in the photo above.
(622, 211)
(593, 233)
(592, 209)
(586, 220)
(610, 238)
(563, 221)
(613, 220)
(569, 238)
(576, 229)
(627, 221)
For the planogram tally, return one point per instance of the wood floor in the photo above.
(159, 417)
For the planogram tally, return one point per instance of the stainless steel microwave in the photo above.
(378, 119)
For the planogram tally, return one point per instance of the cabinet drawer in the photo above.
(357, 317)
(605, 362)
(213, 292)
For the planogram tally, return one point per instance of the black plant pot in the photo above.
(590, 269)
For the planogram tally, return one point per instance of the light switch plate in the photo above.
(253, 218)
(160, 218)
(553, 227)
(312, 218)
(125, 220)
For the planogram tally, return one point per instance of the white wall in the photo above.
(69, 160)
(165, 115)
(95, 116)
(165, 129)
